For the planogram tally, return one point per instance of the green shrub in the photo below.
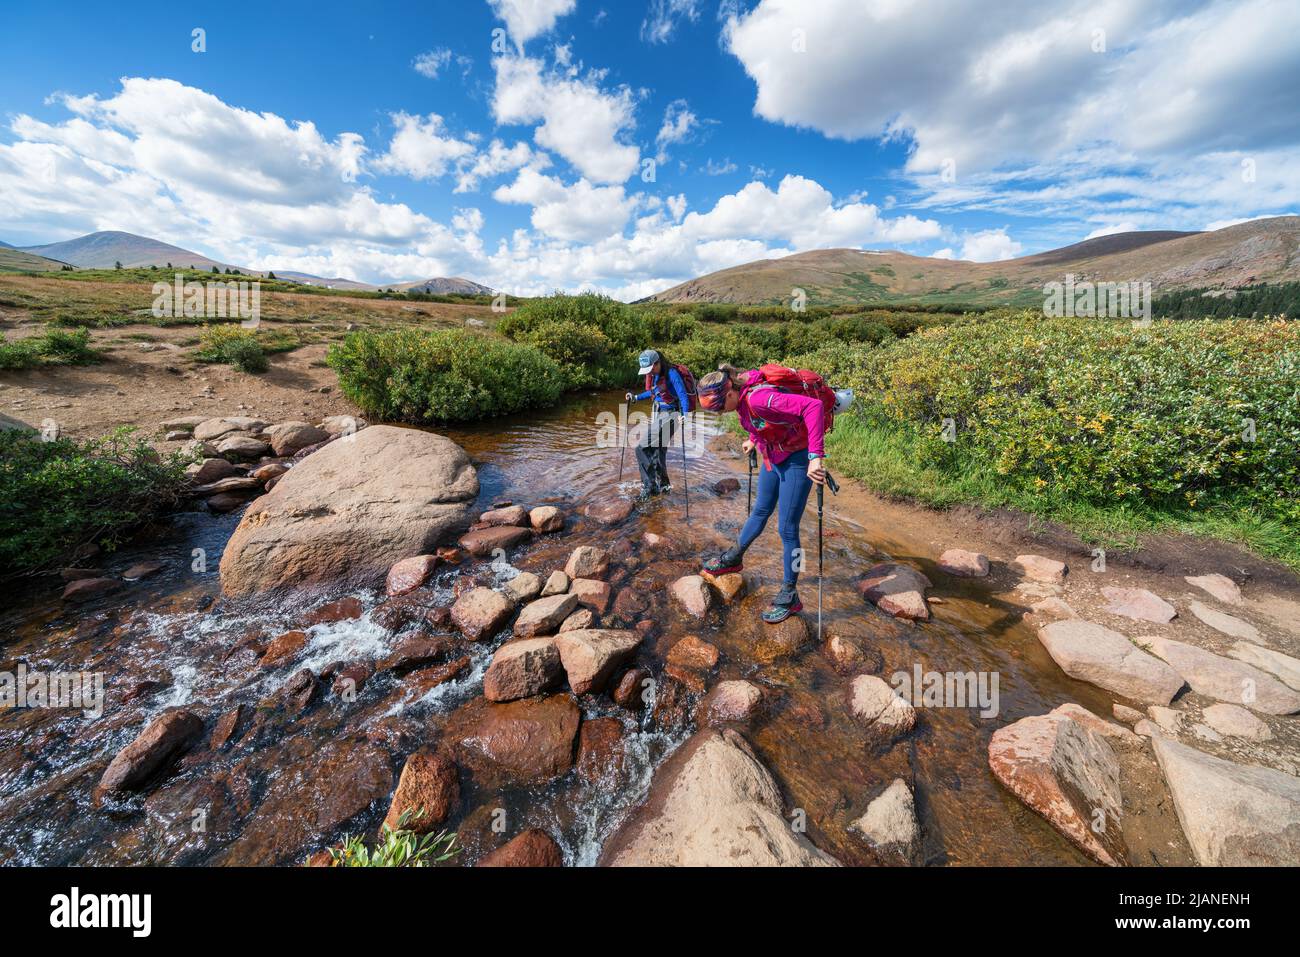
(623, 326)
(581, 351)
(232, 345)
(1099, 410)
(448, 375)
(397, 847)
(52, 347)
(57, 495)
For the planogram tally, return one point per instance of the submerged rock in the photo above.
(876, 705)
(610, 511)
(162, 740)
(1069, 775)
(429, 788)
(712, 804)
(890, 819)
(533, 848)
(349, 512)
(691, 661)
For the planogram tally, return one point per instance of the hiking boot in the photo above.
(784, 604)
(665, 488)
(729, 561)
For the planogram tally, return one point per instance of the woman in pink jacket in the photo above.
(788, 430)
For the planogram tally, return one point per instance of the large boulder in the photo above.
(347, 513)
(157, 745)
(1068, 774)
(522, 742)
(712, 803)
(1226, 679)
(1107, 659)
(1234, 815)
(897, 590)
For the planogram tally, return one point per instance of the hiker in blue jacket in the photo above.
(671, 400)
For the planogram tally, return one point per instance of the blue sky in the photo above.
(538, 144)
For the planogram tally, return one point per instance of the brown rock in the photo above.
(897, 590)
(556, 584)
(610, 511)
(482, 542)
(730, 586)
(481, 612)
(271, 470)
(527, 741)
(629, 603)
(211, 470)
(344, 609)
(157, 745)
(591, 593)
(142, 570)
(737, 701)
(544, 616)
(351, 678)
(84, 589)
(1040, 569)
(288, 438)
(850, 657)
(409, 574)
(429, 788)
(782, 640)
(580, 619)
(693, 594)
(510, 515)
(532, 848)
(591, 656)
(587, 561)
(726, 486)
(545, 519)
(226, 502)
(283, 648)
(1138, 604)
(521, 669)
(418, 652)
(958, 561)
(523, 587)
(226, 727)
(629, 691)
(691, 661)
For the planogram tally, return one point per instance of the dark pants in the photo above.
(782, 489)
(652, 453)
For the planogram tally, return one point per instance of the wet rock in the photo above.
(409, 574)
(142, 570)
(510, 515)
(239, 486)
(1106, 658)
(730, 587)
(712, 803)
(482, 542)
(283, 648)
(525, 741)
(726, 486)
(162, 740)
(890, 819)
(241, 448)
(226, 727)
(521, 669)
(289, 438)
(523, 587)
(533, 848)
(629, 692)
(1138, 604)
(587, 561)
(782, 640)
(691, 661)
(351, 678)
(958, 561)
(732, 701)
(84, 589)
(876, 705)
(1232, 720)
(344, 609)
(630, 602)
(419, 651)
(1069, 775)
(600, 751)
(610, 511)
(1040, 569)
(848, 656)
(545, 519)
(423, 680)
(591, 656)
(1226, 624)
(298, 692)
(580, 619)
(345, 514)
(544, 616)
(1283, 667)
(429, 788)
(897, 590)
(669, 712)
(400, 612)
(226, 502)
(1226, 679)
(556, 584)
(481, 613)
(651, 540)
(1117, 735)
(77, 574)
(692, 593)
(1234, 815)
(591, 593)
(646, 628)
(1219, 586)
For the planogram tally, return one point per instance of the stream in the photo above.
(298, 782)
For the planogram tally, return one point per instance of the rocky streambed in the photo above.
(479, 625)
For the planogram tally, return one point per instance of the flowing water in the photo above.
(297, 781)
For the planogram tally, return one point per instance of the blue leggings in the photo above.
(784, 488)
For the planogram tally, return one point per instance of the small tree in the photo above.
(118, 264)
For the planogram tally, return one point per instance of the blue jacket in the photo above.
(678, 387)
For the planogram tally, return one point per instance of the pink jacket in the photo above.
(768, 405)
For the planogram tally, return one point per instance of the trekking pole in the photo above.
(753, 463)
(830, 481)
(622, 446)
(685, 486)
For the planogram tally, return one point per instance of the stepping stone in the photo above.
(1227, 624)
(1226, 679)
(1220, 586)
(1139, 604)
(1106, 658)
(1234, 815)
(1283, 667)
(958, 561)
(897, 590)
(890, 818)
(1235, 721)
(1039, 568)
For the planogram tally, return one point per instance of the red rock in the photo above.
(587, 561)
(897, 590)
(691, 661)
(429, 787)
(507, 515)
(409, 574)
(958, 561)
(351, 678)
(269, 471)
(448, 554)
(630, 689)
(397, 613)
(525, 741)
(730, 586)
(284, 647)
(418, 652)
(521, 669)
(737, 701)
(693, 594)
(546, 518)
(424, 680)
(629, 603)
(226, 727)
(481, 613)
(1040, 569)
(482, 542)
(726, 486)
(610, 511)
(84, 589)
(600, 751)
(545, 615)
(161, 741)
(344, 609)
(591, 656)
(532, 848)
(782, 640)
(591, 593)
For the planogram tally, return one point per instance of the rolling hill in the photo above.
(103, 250)
(1260, 251)
(16, 260)
(455, 284)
